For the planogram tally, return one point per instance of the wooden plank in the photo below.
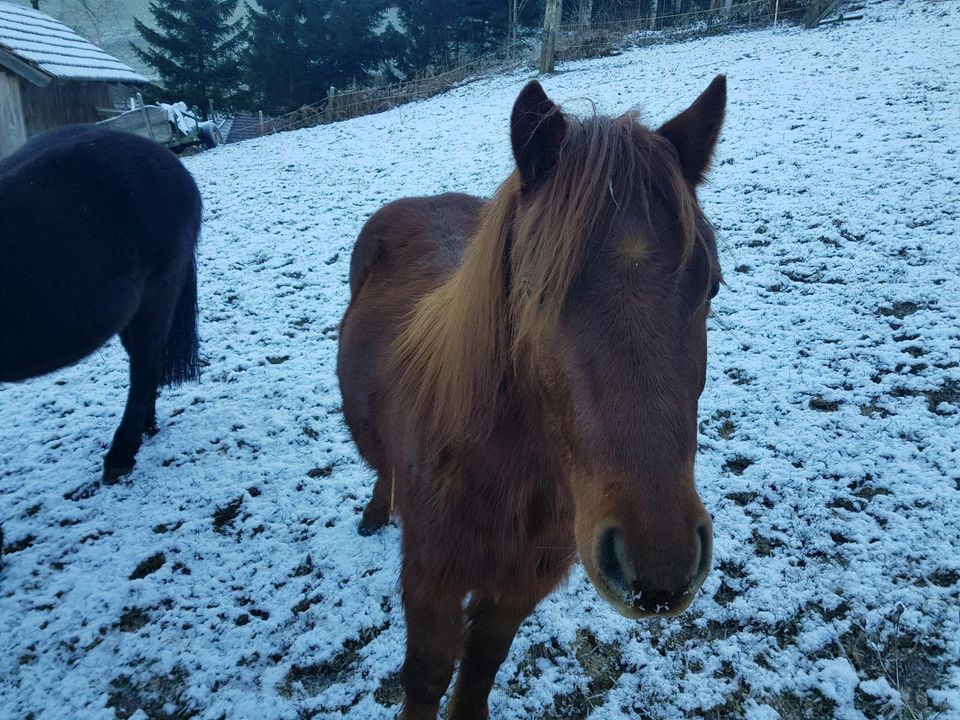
(842, 18)
(13, 132)
(24, 70)
(61, 103)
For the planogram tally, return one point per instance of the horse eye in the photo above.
(713, 291)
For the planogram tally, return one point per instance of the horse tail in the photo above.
(182, 359)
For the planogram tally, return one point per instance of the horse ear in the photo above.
(537, 129)
(694, 132)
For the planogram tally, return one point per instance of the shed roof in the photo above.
(39, 48)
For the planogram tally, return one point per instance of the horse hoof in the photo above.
(366, 529)
(112, 475)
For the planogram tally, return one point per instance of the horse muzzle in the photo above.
(643, 580)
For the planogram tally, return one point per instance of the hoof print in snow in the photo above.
(742, 498)
(305, 568)
(306, 604)
(83, 492)
(18, 545)
(320, 472)
(390, 691)
(737, 465)
(725, 594)
(132, 620)
(764, 545)
(164, 697)
(899, 310)
(822, 405)
(148, 566)
(739, 376)
(162, 529)
(224, 516)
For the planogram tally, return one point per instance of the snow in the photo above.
(829, 439)
(57, 50)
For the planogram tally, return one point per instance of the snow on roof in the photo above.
(45, 44)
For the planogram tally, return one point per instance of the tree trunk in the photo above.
(36, 4)
(586, 13)
(653, 14)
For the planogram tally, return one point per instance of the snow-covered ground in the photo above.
(225, 579)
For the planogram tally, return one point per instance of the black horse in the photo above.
(98, 236)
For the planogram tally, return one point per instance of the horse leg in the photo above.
(434, 642)
(150, 416)
(377, 512)
(491, 628)
(145, 339)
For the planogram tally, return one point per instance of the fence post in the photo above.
(817, 10)
(260, 115)
(551, 24)
(331, 96)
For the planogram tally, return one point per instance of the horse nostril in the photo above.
(608, 560)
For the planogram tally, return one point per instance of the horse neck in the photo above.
(453, 356)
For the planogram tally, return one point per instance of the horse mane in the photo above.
(457, 352)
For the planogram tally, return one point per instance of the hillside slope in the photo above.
(226, 578)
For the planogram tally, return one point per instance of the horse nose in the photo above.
(647, 595)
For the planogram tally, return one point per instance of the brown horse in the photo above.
(523, 375)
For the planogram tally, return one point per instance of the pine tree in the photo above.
(278, 58)
(299, 48)
(445, 32)
(196, 49)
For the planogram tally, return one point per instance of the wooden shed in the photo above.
(50, 76)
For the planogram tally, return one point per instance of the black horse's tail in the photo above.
(182, 360)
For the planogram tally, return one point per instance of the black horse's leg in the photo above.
(150, 416)
(145, 340)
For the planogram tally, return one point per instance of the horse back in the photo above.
(93, 223)
(405, 250)
(425, 236)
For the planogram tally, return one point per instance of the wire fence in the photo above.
(575, 41)
(578, 40)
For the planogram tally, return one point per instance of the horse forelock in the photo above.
(608, 170)
(464, 338)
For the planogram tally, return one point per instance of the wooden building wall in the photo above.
(64, 103)
(27, 109)
(13, 132)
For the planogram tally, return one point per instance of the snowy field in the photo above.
(225, 578)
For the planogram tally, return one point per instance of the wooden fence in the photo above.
(573, 40)
(350, 103)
